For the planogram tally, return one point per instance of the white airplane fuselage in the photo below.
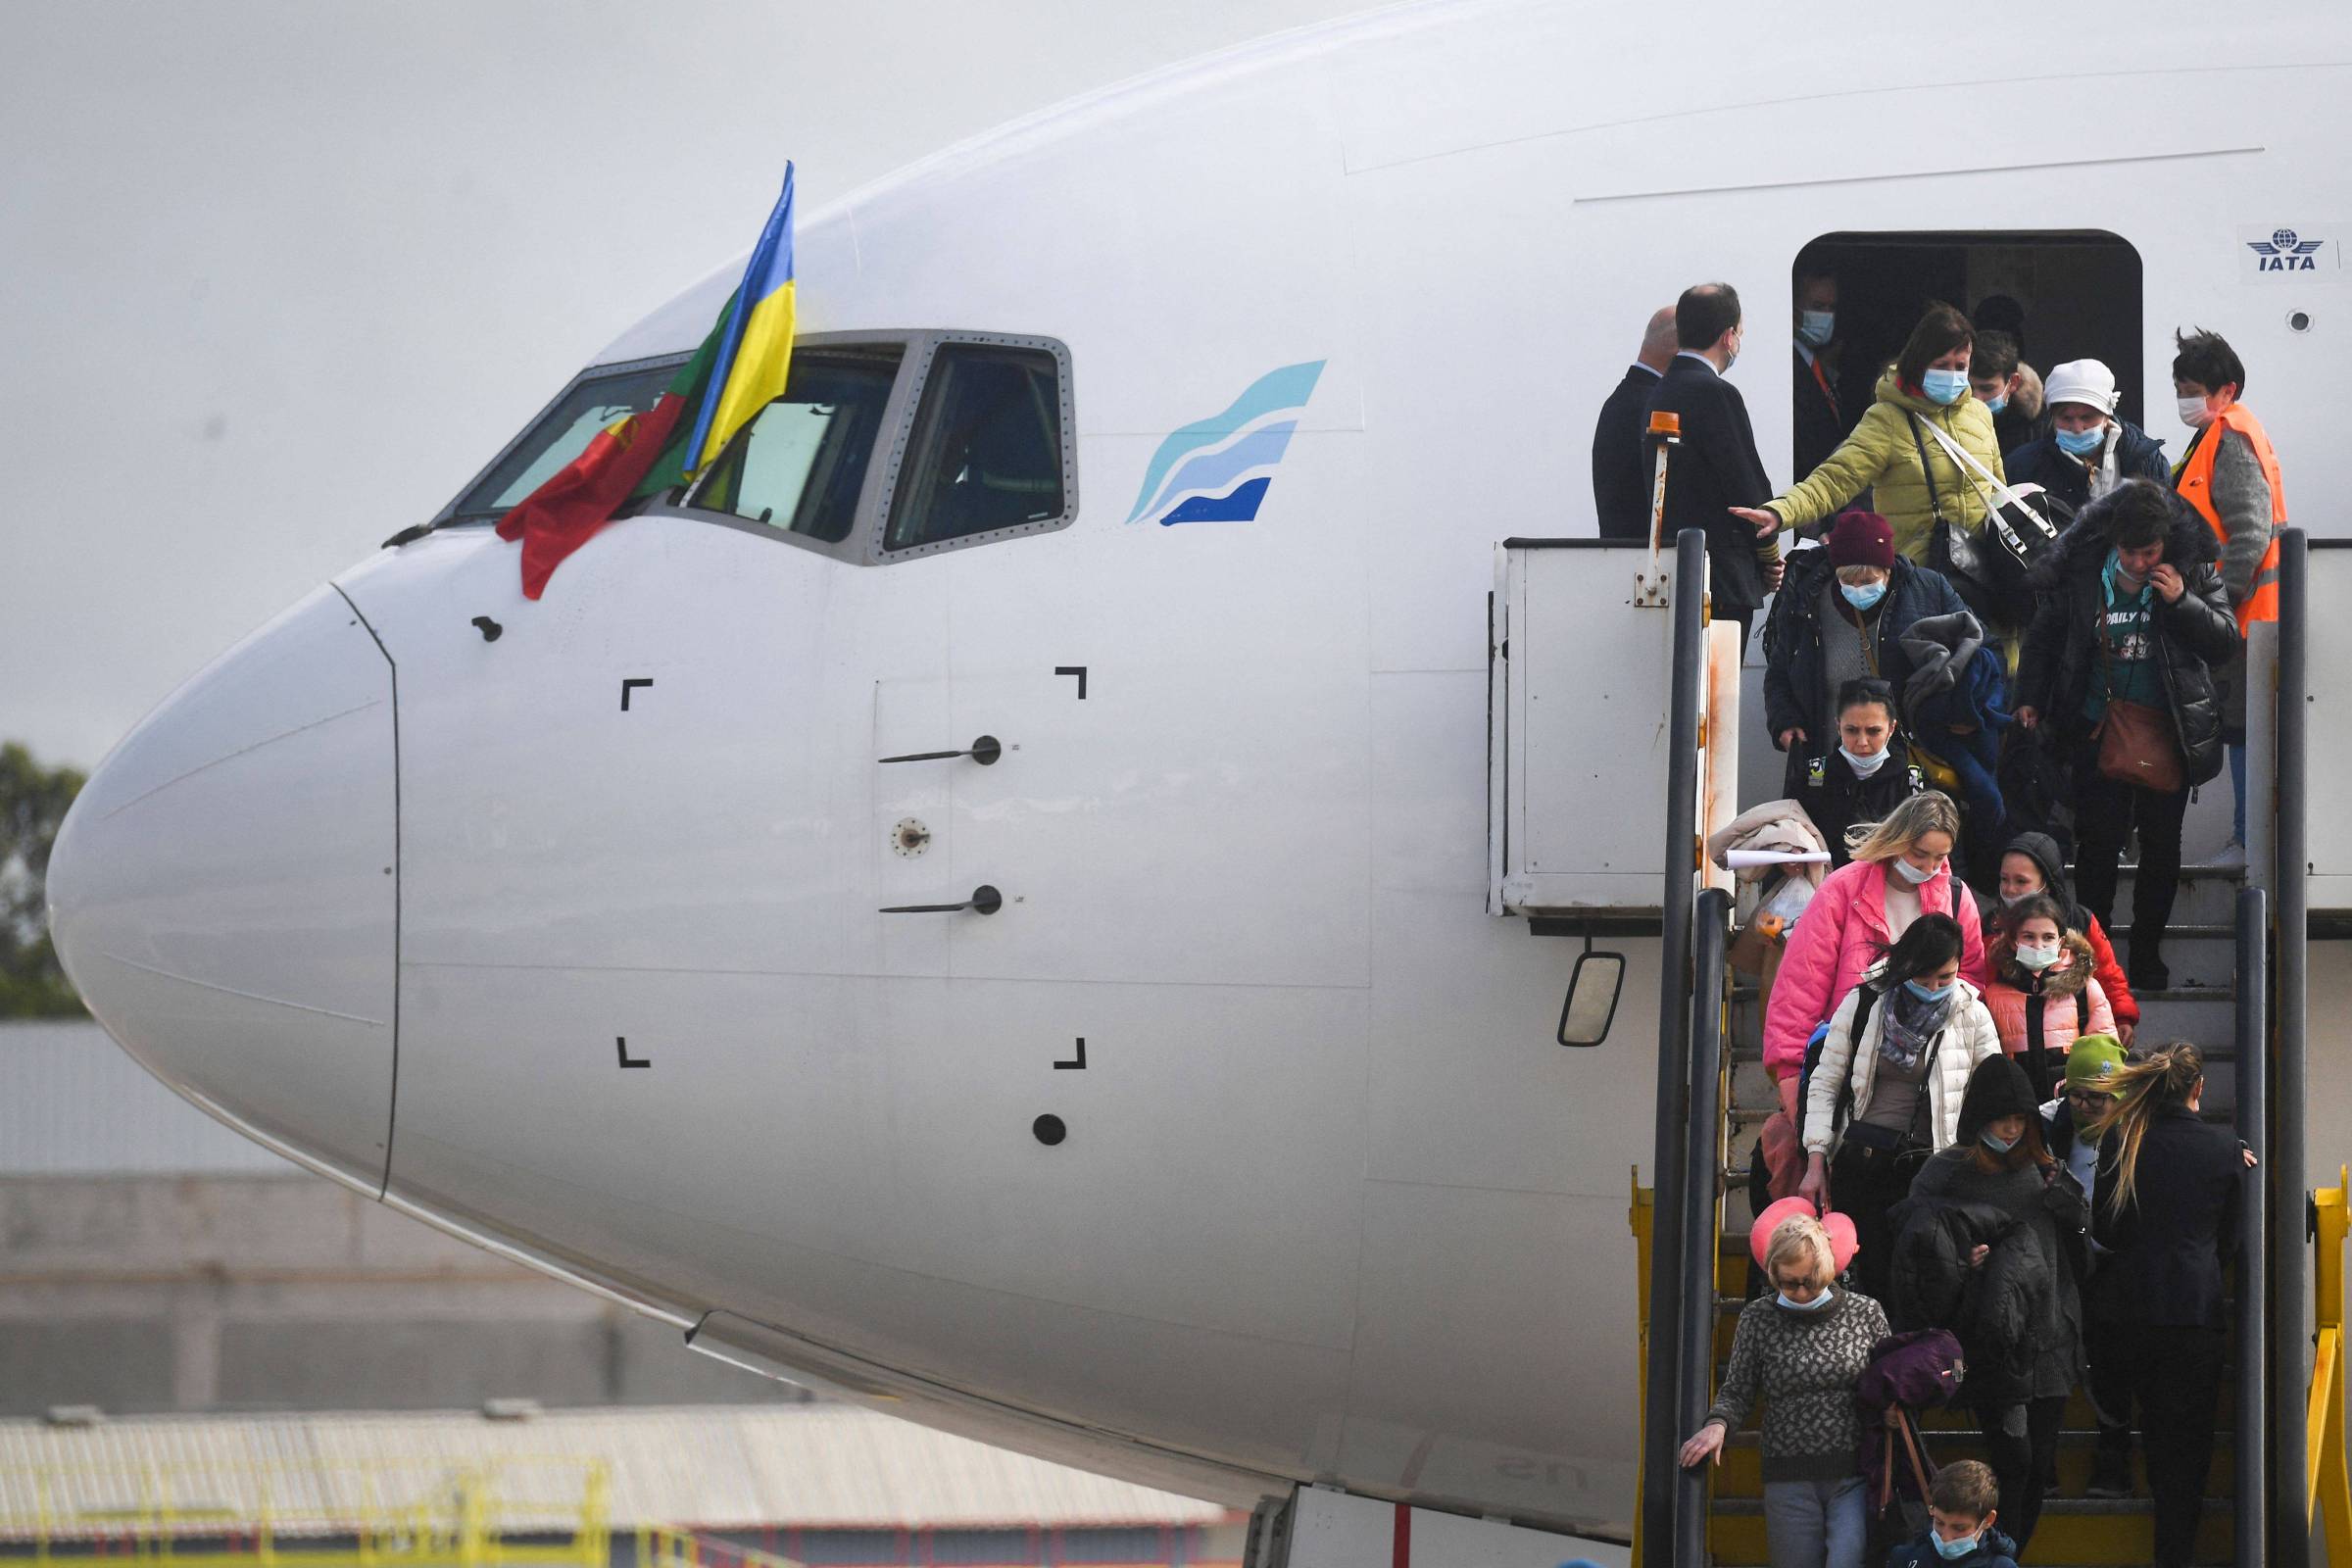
(1329, 1203)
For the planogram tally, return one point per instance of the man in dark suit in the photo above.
(1813, 405)
(1620, 470)
(1716, 466)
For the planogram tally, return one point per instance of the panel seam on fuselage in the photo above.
(847, 974)
(399, 875)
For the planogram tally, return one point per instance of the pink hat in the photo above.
(1843, 1243)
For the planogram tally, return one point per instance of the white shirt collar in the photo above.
(1646, 370)
(1693, 353)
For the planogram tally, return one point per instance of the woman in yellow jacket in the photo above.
(1912, 478)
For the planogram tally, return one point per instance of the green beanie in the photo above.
(2091, 1060)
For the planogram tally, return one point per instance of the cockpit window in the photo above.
(988, 451)
(562, 434)
(800, 466)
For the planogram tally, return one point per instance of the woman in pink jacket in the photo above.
(1901, 870)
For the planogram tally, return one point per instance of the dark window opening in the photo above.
(2065, 295)
(562, 434)
(800, 466)
(987, 448)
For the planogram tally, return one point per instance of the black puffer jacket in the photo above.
(2192, 634)
(2137, 456)
(1793, 694)
(1995, 1309)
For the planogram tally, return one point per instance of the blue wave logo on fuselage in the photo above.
(1217, 470)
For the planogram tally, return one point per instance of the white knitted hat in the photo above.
(2085, 381)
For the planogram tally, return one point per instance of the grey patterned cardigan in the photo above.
(1804, 1365)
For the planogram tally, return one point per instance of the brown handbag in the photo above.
(2137, 744)
(2137, 747)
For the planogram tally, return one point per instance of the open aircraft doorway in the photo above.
(2065, 294)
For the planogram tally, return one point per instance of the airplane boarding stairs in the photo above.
(2236, 949)
(2200, 1006)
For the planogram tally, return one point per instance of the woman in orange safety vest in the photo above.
(2230, 476)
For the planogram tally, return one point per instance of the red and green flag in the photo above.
(741, 366)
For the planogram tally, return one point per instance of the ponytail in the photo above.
(2141, 1089)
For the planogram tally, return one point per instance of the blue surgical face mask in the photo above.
(1925, 995)
(2037, 958)
(1996, 405)
(1946, 387)
(1863, 766)
(1864, 597)
(2080, 443)
(2119, 577)
(2000, 1146)
(1912, 873)
(1814, 1306)
(1814, 327)
(1955, 1550)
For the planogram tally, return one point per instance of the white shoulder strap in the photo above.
(1988, 484)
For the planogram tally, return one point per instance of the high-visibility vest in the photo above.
(2195, 485)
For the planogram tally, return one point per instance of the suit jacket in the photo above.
(1620, 477)
(2167, 1249)
(1716, 467)
(1814, 413)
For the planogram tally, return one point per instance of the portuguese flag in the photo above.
(640, 455)
(741, 368)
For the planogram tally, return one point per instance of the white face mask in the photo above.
(2195, 413)
(1912, 873)
(2037, 957)
(1863, 766)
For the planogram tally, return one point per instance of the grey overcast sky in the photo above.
(276, 277)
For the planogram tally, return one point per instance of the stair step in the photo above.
(1745, 991)
(2201, 872)
(1753, 1056)
(2051, 1507)
(2071, 1531)
(1755, 1115)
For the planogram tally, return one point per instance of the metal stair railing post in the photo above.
(1660, 1401)
(1703, 1220)
(2327, 1493)
(2290, 1518)
(2253, 1126)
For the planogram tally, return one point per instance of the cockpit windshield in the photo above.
(560, 436)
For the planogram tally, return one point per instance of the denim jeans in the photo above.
(1815, 1524)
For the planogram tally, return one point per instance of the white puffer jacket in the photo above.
(1968, 1037)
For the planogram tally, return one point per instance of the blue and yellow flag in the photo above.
(755, 346)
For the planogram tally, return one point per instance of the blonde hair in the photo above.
(2141, 1089)
(1928, 812)
(1801, 1237)
(1860, 576)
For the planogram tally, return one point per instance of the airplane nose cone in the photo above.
(223, 891)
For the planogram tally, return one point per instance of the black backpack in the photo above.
(1845, 1090)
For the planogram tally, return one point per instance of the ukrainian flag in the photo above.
(755, 346)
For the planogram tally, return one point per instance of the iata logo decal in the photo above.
(1218, 470)
(2287, 251)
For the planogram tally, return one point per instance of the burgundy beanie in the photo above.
(1861, 539)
